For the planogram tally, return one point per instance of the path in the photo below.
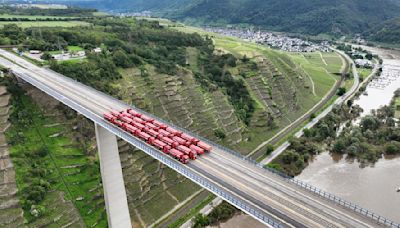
(257, 152)
(312, 123)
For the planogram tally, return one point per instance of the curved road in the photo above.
(324, 113)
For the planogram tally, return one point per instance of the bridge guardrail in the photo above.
(173, 164)
(323, 194)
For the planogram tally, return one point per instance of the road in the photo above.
(348, 95)
(258, 152)
(256, 191)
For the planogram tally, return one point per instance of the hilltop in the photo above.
(311, 17)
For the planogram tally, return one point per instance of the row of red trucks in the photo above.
(179, 145)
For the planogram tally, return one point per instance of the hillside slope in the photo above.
(303, 16)
(313, 17)
(387, 32)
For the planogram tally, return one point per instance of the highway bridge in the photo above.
(270, 197)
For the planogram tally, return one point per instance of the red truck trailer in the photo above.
(115, 113)
(204, 146)
(131, 129)
(151, 126)
(151, 132)
(119, 123)
(126, 119)
(180, 140)
(189, 138)
(143, 135)
(164, 132)
(133, 113)
(192, 155)
(173, 131)
(138, 125)
(125, 113)
(160, 125)
(179, 155)
(197, 149)
(139, 120)
(109, 117)
(160, 145)
(147, 119)
(168, 141)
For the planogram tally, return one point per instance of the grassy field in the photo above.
(363, 73)
(397, 107)
(321, 74)
(308, 76)
(74, 193)
(28, 24)
(31, 17)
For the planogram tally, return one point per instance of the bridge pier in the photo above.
(113, 182)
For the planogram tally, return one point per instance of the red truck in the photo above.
(139, 120)
(160, 145)
(115, 113)
(138, 125)
(126, 119)
(179, 155)
(131, 129)
(189, 138)
(164, 132)
(180, 140)
(133, 113)
(147, 119)
(143, 135)
(173, 131)
(109, 117)
(152, 126)
(151, 132)
(197, 149)
(192, 155)
(204, 146)
(160, 125)
(168, 141)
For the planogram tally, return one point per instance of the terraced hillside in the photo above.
(11, 213)
(57, 178)
(214, 91)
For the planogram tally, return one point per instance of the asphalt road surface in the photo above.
(270, 194)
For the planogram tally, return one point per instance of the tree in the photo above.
(46, 56)
(369, 123)
(269, 150)
(341, 91)
(121, 59)
(393, 148)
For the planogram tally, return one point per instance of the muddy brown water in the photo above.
(372, 187)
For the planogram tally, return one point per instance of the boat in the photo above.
(398, 190)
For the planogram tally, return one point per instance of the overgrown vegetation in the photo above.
(48, 162)
(70, 12)
(220, 213)
(377, 134)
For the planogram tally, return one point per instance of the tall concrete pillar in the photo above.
(113, 182)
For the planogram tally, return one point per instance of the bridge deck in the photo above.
(259, 192)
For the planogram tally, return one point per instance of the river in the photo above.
(372, 187)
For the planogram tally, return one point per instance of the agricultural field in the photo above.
(31, 17)
(28, 24)
(285, 86)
